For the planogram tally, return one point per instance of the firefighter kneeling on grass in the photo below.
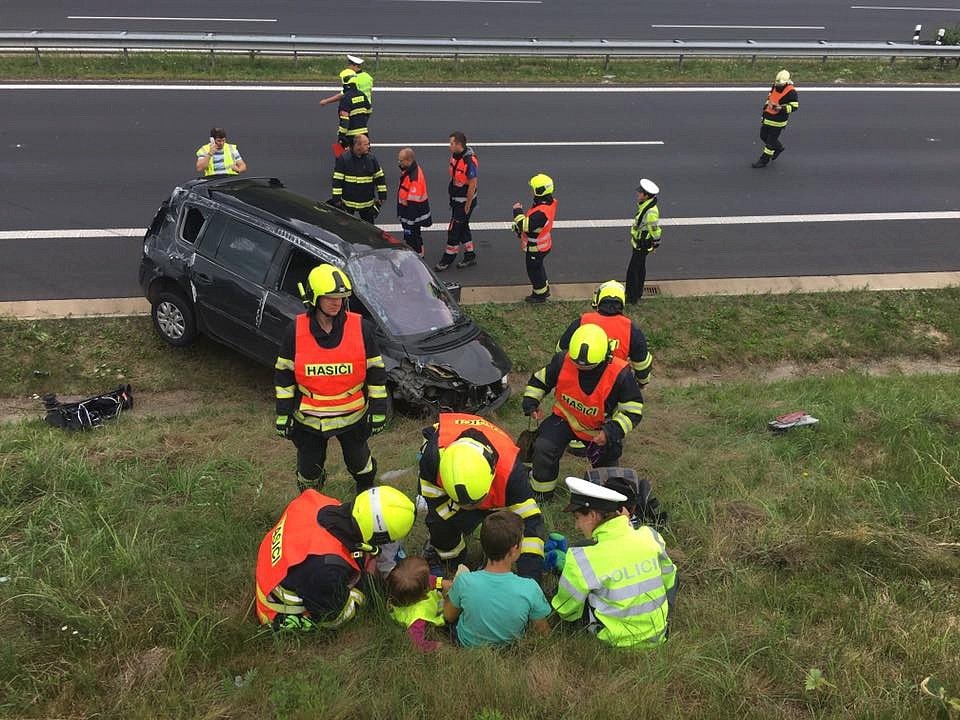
(314, 563)
(598, 401)
(330, 382)
(469, 468)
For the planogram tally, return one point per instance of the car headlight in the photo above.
(505, 380)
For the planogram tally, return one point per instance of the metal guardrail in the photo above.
(51, 41)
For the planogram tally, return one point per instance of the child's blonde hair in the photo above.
(408, 582)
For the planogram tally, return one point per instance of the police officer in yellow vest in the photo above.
(218, 157)
(620, 586)
(330, 382)
(644, 237)
(597, 399)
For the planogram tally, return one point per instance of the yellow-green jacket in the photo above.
(646, 224)
(623, 579)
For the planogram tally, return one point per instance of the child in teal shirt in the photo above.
(493, 606)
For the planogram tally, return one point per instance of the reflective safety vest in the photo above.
(458, 174)
(296, 536)
(584, 412)
(331, 380)
(544, 240)
(429, 609)
(780, 117)
(453, 425)
(412, 190)
(618, 328)
(623, 579)
(228, 162)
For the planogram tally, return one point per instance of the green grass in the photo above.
(199, 67)
(832, 548)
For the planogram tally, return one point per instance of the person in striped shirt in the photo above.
(218, 157)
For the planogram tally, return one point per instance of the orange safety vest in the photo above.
(453, 425)
(545, 239)
(584, 413)
(774, 98)
(331, 380)
(296, 536)
(458, 173)
(410, 190)
(618, 328)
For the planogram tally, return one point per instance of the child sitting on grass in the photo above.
(493, 606)
(415, 600)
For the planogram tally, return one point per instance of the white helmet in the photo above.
(648, 186)
(783, 78)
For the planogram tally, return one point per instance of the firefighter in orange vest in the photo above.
(535, 230)
(413, 205)
(781, 102)
(314, 563)
(330, 382)
(626, 338)
(597, 399)
(469, 468)
(464, 168)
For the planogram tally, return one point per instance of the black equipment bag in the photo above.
(90, 413)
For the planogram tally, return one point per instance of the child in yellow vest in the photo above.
(415, 600)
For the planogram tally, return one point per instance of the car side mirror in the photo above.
(454, 289)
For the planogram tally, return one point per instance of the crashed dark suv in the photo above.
(224, 257)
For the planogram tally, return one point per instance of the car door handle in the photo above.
(203, 278)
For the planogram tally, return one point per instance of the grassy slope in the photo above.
(482, 70)
(827, 548)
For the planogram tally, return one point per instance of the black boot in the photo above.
(776, 153)
(311, 483)
(761, 162)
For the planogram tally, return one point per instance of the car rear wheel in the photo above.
(173, 318)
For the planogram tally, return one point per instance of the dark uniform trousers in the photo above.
(312, 454)
(367, 214)
(637, 270)
(413, 238)
(535, 270)
(770, 136)
(554, 436)
(458, 233)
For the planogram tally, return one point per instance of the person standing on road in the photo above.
(364, 81)
(535, 230)
(781, 102)
(413, 205)
(330, 381)
(218, 157)
(354, 111)
(644, 237)
(464, 169)
(359, 185)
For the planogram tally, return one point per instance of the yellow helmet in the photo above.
(589, 346)
(466, 470)
(610, 290)
(782, 78)
(383, 514)
(348, 76)
(326, 281)
(541, 185)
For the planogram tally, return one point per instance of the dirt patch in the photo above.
(138, 671)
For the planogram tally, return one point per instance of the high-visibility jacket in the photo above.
(330, 380)
(618, 329)
(354, 111)
(413, 204)
(459, 181)
(786, 98)
(296, 536)
(623, 579)
(364, 82)
(358, 181)
(230, 156)
(542, 238)
(453, 425)
(430, 609)
(646, 224)
(584, 412)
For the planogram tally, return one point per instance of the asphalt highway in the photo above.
(79, 159)
(619, 19)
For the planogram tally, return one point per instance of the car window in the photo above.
(246, 250)
(299, 265)
(192, 223)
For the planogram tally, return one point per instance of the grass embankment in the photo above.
(198, 67)
(128, 552)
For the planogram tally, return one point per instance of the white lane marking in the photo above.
(746, 27)
(494, 2)
(174, 19)
(476, 90)
(888, 7)
(556, 143)
(571, 224)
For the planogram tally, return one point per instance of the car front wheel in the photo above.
(173, 318)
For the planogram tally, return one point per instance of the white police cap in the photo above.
(355, 60)
(585, 494)
(648, 186)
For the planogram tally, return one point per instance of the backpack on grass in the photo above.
(90, 413)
